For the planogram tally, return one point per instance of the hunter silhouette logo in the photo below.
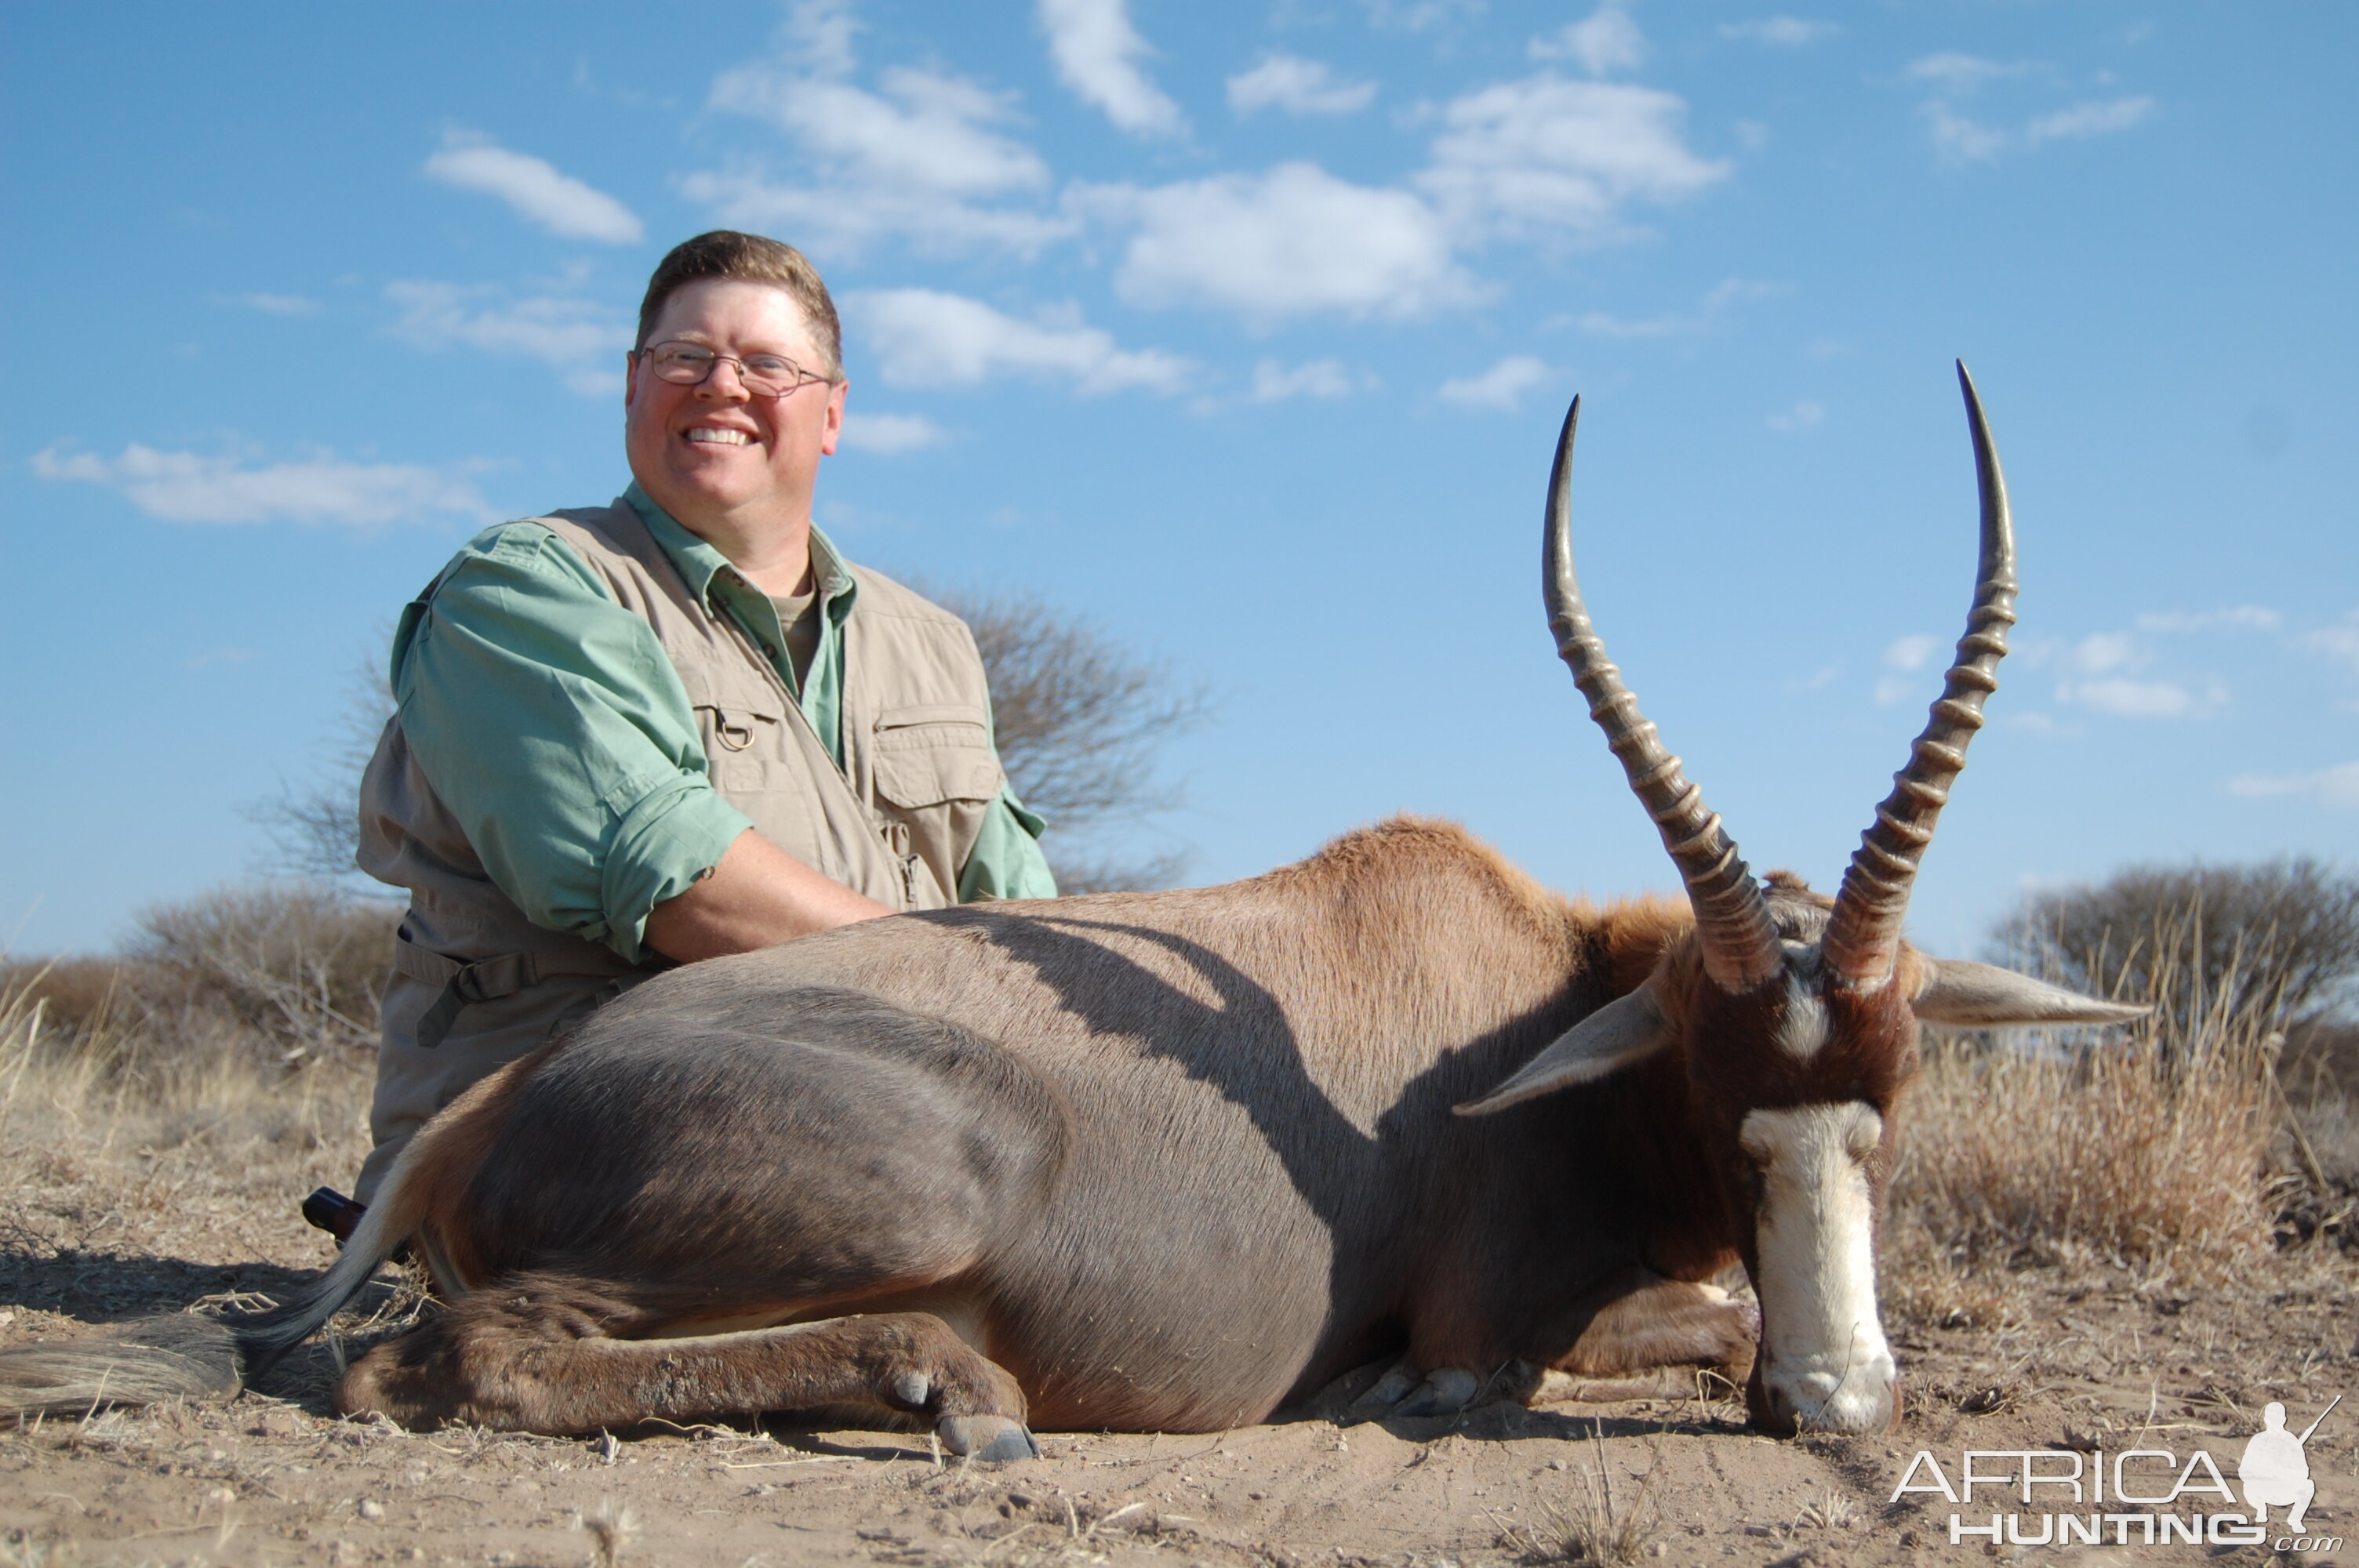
(2275, 1466)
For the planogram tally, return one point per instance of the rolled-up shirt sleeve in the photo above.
(1006, 861)
(548, 719)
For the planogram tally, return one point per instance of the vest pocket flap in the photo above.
(926, 755)
(744, 694)
(738, 683)
(923, 714)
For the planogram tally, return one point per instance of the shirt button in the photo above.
(768, 651)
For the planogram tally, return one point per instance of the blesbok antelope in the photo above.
(1167, 1161)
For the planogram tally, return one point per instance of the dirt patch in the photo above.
(275, 1478)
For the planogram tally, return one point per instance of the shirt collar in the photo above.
(700, 565)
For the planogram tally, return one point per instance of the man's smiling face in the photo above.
(713, 452)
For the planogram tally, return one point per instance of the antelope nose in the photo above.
(1819, 1401)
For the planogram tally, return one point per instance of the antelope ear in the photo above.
(1963, 992)
(1616, 1035)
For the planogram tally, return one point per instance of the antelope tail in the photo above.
(188, 1355)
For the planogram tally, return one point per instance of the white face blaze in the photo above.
(1803, 1029)
(1826, 1365)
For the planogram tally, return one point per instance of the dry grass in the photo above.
(2168, 1149)
(154, 1140)
(232, 990)
(1597, 1522)
(2118, 1155)
(610, 1529)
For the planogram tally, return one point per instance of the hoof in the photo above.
(1397, 1383)
(1446, 1392)
(992, 1437)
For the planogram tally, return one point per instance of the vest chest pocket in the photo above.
(740, 738)
(929, 755)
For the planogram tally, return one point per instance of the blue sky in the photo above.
(1244, 329)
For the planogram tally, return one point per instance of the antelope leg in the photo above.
(542, 1361)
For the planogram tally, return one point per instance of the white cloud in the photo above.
(1418, 15)
(819, 33)
(1960, 139)
(1547, 154)
(886, 433)
(558, 202)
(1959, 74)
(1298, 86)
(1804, 415)
(2238, 617)
(917, 160)
(1291, 242)
(926, 131)
(574, 337)
(1605, 324)
(2339, 642)
(1779, 32)
(1605, 40)
(187, 487)
(2104, 672)
(2126, 698)
(2090, 119)
(1816, 680)
(1902, 657)
(1274, 383)
(1913, 652)
(925, 337)
(2101, 653)
(846, 219)
(1502, 386)
(1096, 51)
(1709, 309)
(2337, 785)
(281, 304)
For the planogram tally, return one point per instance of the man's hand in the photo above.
(757, 897)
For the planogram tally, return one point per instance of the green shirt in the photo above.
(551, 723)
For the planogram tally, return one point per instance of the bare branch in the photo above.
(314, 831)
(1081, 718)
(2280, 936)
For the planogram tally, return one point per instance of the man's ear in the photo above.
(1616, 1035)
(832, 431)
(1961, 992)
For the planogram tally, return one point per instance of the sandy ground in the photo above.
(94, 1235)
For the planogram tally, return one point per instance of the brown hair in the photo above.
(748, 258)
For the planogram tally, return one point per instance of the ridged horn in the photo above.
(1740, 946)
(1862, 934)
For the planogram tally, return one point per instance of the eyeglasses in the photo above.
(764, 376)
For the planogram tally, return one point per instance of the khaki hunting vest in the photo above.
(895, 821)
